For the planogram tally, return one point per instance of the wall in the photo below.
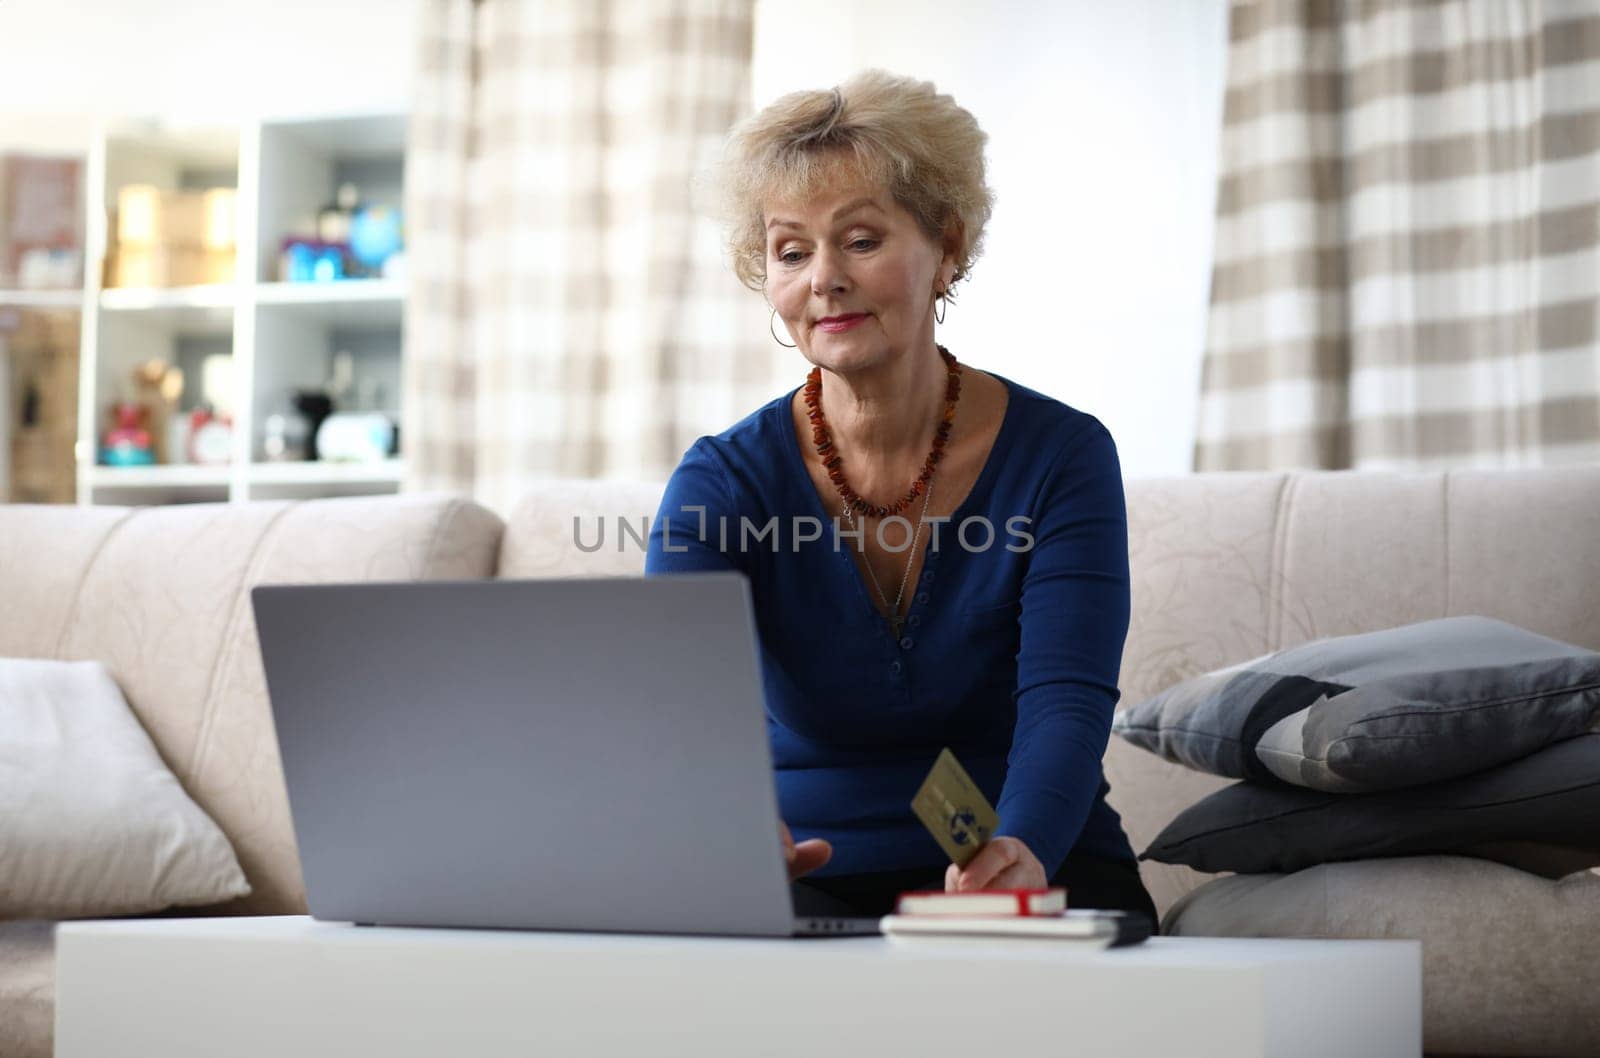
(1103, 121)
(198, 60)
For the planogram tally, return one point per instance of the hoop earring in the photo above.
(940, 306)
(772, 330)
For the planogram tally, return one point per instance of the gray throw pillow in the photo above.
(1541, 813)
(1401, 707)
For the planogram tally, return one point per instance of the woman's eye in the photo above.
(794, 257)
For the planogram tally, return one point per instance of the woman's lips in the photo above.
(835, 324)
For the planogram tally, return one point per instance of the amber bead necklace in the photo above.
(854, 505)
(834, 463)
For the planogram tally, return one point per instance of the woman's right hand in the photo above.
(804, 857)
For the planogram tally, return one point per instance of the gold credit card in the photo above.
(954, 810)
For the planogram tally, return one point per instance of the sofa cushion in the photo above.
(573, 528)
(1551, 797)
(93, 823)
(160, 595)
(48, 551)
(1232, 566)
(27, 988)
(1399, 707)
(1507, 957)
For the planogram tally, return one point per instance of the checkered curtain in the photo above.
(1406, 268)
(571, 311)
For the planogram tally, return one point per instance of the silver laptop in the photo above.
(559, 754)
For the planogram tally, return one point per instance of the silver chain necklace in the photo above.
(895, 620)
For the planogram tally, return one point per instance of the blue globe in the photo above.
(375, 235)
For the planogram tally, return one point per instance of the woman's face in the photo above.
(853, 276)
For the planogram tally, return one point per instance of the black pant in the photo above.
(1090, 881)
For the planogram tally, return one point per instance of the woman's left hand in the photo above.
(1001, 863)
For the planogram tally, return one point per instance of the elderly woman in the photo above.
(937, 555)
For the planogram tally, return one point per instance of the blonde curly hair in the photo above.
(893, 131)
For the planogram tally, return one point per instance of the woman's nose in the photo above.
(828, 275)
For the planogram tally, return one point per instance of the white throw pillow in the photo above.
(91, 821)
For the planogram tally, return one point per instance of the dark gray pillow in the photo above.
(1523, 813)
(1376, 711)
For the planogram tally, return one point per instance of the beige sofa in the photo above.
(1225, 567)
(161, 595)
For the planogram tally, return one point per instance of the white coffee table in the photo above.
(251, 987)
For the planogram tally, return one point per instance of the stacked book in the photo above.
(1011, 913)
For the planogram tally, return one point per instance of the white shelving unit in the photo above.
(41, 299)
(278, 337)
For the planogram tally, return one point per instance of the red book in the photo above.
(988, 903)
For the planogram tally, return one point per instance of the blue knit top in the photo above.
(1009, 653)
